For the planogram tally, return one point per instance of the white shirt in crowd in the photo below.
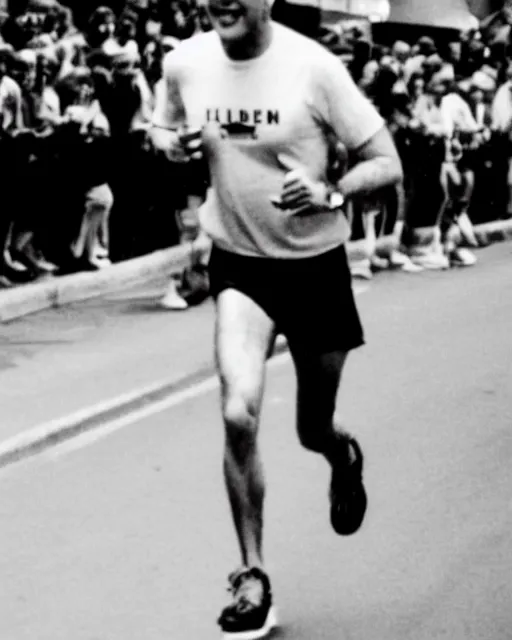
(502, 109)
(143, 116)
(10, 104)
(453, 114)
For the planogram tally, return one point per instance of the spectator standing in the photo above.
(424, 48)
(129, 108)
(126, 30)
(401, 52)
(502, 124)
(446, 115)
(88, 131)
(33, 162)
(415, 88)
(11, 120)
(431, 134)
(488, 164)
(101, 30)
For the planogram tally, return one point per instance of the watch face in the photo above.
(337, 200)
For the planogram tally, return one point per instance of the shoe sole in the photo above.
(434, 267)
(255, 634)
(462, 264)
(172, 307)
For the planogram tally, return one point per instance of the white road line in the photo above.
(194, 391)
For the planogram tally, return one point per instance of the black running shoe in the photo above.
(347, 492)
(251, 615)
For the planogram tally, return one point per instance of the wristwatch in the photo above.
(336, 200)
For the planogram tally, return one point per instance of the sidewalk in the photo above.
(64, 290)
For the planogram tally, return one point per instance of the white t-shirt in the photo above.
(10, 104)
(283, 102)
(459, 113)
(502, 109)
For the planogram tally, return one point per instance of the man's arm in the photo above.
(378, 165)
(359, 127)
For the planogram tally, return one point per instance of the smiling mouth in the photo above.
(225, 16)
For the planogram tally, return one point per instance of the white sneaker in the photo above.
(378, 263)
(173, 301)
(100, 251)
(398, 259)
(15, 265)
(361, 269)
(410, 267)
(101, 263)
(462, 258)
(432, 260)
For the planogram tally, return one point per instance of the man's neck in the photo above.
(252, 46)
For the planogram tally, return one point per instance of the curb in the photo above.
(38, 439)
(498, 231)
(56, 292)
(62, 290)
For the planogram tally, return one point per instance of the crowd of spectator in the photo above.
(83, 186)
(449, 107)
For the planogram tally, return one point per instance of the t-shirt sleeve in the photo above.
(342, 105)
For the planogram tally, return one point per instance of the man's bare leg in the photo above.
(244, 336)
(318, 380)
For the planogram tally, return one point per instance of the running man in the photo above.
(267, 101)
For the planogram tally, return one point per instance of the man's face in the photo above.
(107, 28)
(419, 87)
(455, 51)
(31, 22)
(26, 75)
(85, 93)
(402, 54)
(235, 19)
(438, 90)
(126, 70)
(128, 29)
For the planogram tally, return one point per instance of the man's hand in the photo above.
(300, 193)
(200, 248)
(192, 142)
(167, 142)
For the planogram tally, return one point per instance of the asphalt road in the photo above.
(128, 537)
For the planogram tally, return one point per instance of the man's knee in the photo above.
(241, 422)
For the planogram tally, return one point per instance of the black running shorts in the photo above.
(310, 300)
